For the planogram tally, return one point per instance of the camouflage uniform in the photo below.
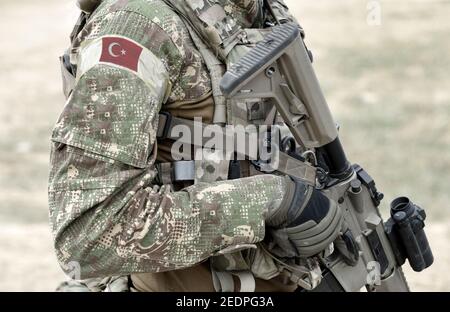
(107, 211)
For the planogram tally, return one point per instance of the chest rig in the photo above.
(223, 38)
(222, 41)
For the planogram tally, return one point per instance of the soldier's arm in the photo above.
(105, 213)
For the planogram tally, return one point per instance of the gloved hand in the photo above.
(304, 224)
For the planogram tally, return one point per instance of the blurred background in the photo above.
(384, 67)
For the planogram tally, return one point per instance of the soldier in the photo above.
(117, 207)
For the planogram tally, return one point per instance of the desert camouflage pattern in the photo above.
(107, 213)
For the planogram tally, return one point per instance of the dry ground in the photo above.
(388, 87)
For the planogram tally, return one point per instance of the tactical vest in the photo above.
(221, 45)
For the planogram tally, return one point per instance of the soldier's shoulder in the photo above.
(146, 7)
(152, 23)
(156, 11)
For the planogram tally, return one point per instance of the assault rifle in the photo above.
(279, 69)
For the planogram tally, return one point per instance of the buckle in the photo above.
(164, 125)
(183, 171)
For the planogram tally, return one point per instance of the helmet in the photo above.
(88, 6)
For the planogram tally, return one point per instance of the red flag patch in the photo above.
(121, 51)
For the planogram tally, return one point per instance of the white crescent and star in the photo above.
(123, 52)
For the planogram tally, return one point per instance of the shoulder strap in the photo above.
(214, 38)
(81, 22)
(216, 70)
(216, 67)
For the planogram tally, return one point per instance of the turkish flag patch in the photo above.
(121, 51)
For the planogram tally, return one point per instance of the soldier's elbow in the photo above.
(76, 257)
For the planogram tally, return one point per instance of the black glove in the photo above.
(305, 223)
